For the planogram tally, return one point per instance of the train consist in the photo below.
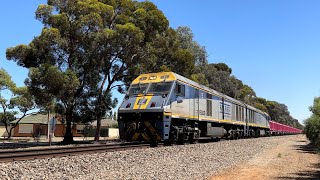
(171, 108)
(281, 129)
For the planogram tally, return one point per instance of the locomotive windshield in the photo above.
(137, 89)
(163, 87)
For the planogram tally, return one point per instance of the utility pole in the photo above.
(49, 129)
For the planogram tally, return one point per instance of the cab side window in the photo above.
(180, 90)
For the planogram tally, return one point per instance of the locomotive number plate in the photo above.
(142, 101)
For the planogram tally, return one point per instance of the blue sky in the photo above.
(273, 46)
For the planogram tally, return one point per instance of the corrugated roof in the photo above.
(34, 119)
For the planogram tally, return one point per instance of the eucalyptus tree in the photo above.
(187, 41)
(18, 102)
(135, 38)
(89, 47)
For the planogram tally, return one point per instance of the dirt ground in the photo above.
(294, 159)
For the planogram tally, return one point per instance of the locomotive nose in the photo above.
(142, 131)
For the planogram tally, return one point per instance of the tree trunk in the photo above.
(10, 131)
(68, 136)
(7, 130)
(9, 134)
(97, 135)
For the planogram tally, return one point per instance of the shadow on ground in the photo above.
(306, 175)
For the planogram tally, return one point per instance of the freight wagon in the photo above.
(281, 129)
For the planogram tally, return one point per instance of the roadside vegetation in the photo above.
(89, 48)
(312, 124)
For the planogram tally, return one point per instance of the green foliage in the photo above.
(223, 67)
(37, 134)
(260, 107)
(5, 81)
(246, 94)
(312, 129)
(48, 81)
(312, 124)
(200, 78)
(186, 40)
(217, 79)
(115, 125)
(315, 109)
(19, 102)
(88, 131)
(7, 117)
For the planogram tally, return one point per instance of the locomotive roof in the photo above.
(171, 76)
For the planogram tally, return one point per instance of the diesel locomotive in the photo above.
(170, 108)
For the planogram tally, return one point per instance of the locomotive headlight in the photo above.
(120, 117)
(128, 105)
(153, 104)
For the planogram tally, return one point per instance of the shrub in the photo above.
(37, 134)
(88, 131)
(103, 132)
(312, 129)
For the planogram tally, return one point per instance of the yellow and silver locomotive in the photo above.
(171, 108)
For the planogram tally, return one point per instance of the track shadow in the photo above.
(306, 175)
(302, 141)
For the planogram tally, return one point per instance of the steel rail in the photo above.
(19, 155)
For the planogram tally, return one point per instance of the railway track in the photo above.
(29, 154)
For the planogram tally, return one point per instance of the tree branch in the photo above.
(119, 85)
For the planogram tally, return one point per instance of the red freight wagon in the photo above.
(278, 129)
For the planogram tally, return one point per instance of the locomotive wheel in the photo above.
(257, 134)
(154, 144)
(241, 134)
(237, 134)
(230, 135)
(167, 143)
(233, 135)
(193, 138)
(253, 134)
(181, 138)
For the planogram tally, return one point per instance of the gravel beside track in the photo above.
(198, 161)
